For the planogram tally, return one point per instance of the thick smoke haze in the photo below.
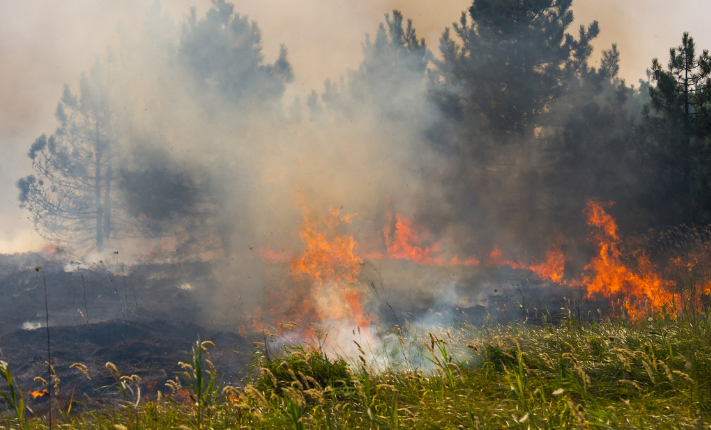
(46, 44)
(220, 152)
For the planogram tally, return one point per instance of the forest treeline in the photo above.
(520, 129)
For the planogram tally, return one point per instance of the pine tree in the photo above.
(510, 63)
(223, 52)
(70, 196)
(678, 127)
(389, 83)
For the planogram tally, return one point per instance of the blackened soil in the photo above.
(150, 350)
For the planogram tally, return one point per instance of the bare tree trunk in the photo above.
(107, 200)
(97, 200)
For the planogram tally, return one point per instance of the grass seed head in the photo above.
(308, 366)
(212, 367)
(185, 365)
(578, 415)
(666, 370)
(304, 379)
(174, 385)
(548, 360)
(359, 348)
(683, 375)
(622, 356)
(315, 383)
(648, 368)
(112, 368)
(270, 375)
(315, 394)
(82, 368)
(633, 383)
(296, 396)
(387, 386)
(256, 395)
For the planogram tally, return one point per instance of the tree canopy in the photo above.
(223, 51)
(678, 127)
(69, 196)
(510, 62)
(519, 126)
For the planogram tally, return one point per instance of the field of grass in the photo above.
(610, 373)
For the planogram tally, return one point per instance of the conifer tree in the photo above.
(510, 62)
(678, 122)
(70, 196)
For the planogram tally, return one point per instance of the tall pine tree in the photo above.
(70, 195)
(510, 62)
(678, 125)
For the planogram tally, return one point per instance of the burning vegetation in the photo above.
(324, 284)
(497, 235)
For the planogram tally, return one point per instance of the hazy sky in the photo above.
(45, 44)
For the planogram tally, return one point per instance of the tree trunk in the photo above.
(107, 200)
(99, 206)
(686, 144)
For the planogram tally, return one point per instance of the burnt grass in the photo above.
(143, 323)
(150, 350)
(142, 320)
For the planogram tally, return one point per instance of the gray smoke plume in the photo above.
(211, 162)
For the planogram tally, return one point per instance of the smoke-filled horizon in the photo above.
(46, 47)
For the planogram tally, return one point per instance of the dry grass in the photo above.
(611, 374)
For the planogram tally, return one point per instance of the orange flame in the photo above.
(406, 243)
(553, 267)
(50, 249)
(496, 259)
(322, 277)
(327, 258)
(42, 393)
(268, 254)
(607, 275)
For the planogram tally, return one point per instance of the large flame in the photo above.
(406, 241)
(607, 274)
(329, 263)
(552, 267)
(323, 277)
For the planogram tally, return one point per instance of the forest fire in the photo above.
(324, 275)
(606, 274)
(405, 243)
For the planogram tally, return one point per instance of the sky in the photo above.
(45, 44)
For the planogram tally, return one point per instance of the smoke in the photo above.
(213, 162)
(224, 144)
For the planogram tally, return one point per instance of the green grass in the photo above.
(655, 373)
